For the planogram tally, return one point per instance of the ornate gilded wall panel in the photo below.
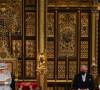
(61, 69)
(84, 49)
(50, 68)
(50, 21)
(50, 49)
(11, 17)
(30, 23)
(84, 24)
(67, 38)
(30, 48)
(20, 68)
(72, 69)
(30, 68)
(84, 63)
(18, 44)
(30, 2)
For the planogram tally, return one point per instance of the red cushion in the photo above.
(27, 84)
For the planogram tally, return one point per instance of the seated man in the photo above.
(84, 80)
(5, 77)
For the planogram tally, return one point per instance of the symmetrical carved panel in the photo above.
(84, 24)
(30, 48)
(11, 17)
(50, 68)
(30, 68)
(50, 31)
(61, 69)
(67, 37)
(30, 23)
(18, 44)
(50, 49)
(72, 69)
(84, 49)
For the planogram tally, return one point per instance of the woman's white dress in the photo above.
(4, 77)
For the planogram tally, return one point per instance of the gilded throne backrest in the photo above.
(6, 57)
(12, 62)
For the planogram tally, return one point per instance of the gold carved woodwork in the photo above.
(11, 12)
(41, 53)
(95, 17)
(42, 70)
(41, 26)
(8, 58)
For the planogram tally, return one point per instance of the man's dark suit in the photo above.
(78, 83)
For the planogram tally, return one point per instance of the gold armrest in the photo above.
(21, 88)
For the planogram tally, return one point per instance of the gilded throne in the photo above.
(12, 62)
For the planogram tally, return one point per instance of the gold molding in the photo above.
(42, 26)
(79, 30)
(23, 39)
(78, 6)
(93, 37)
(56, 26)
(37, 25)
(97, 18)
(67, 69)
(59, 81)
(27, 80)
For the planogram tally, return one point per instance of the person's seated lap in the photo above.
(83, 81)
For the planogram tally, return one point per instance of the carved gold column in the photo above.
(41, 47)
(94, 41)
(97, 79)
(93, 37)
(41, 16)
(79, 18)
(97, 18)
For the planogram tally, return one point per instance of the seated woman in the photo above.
(5, 77)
